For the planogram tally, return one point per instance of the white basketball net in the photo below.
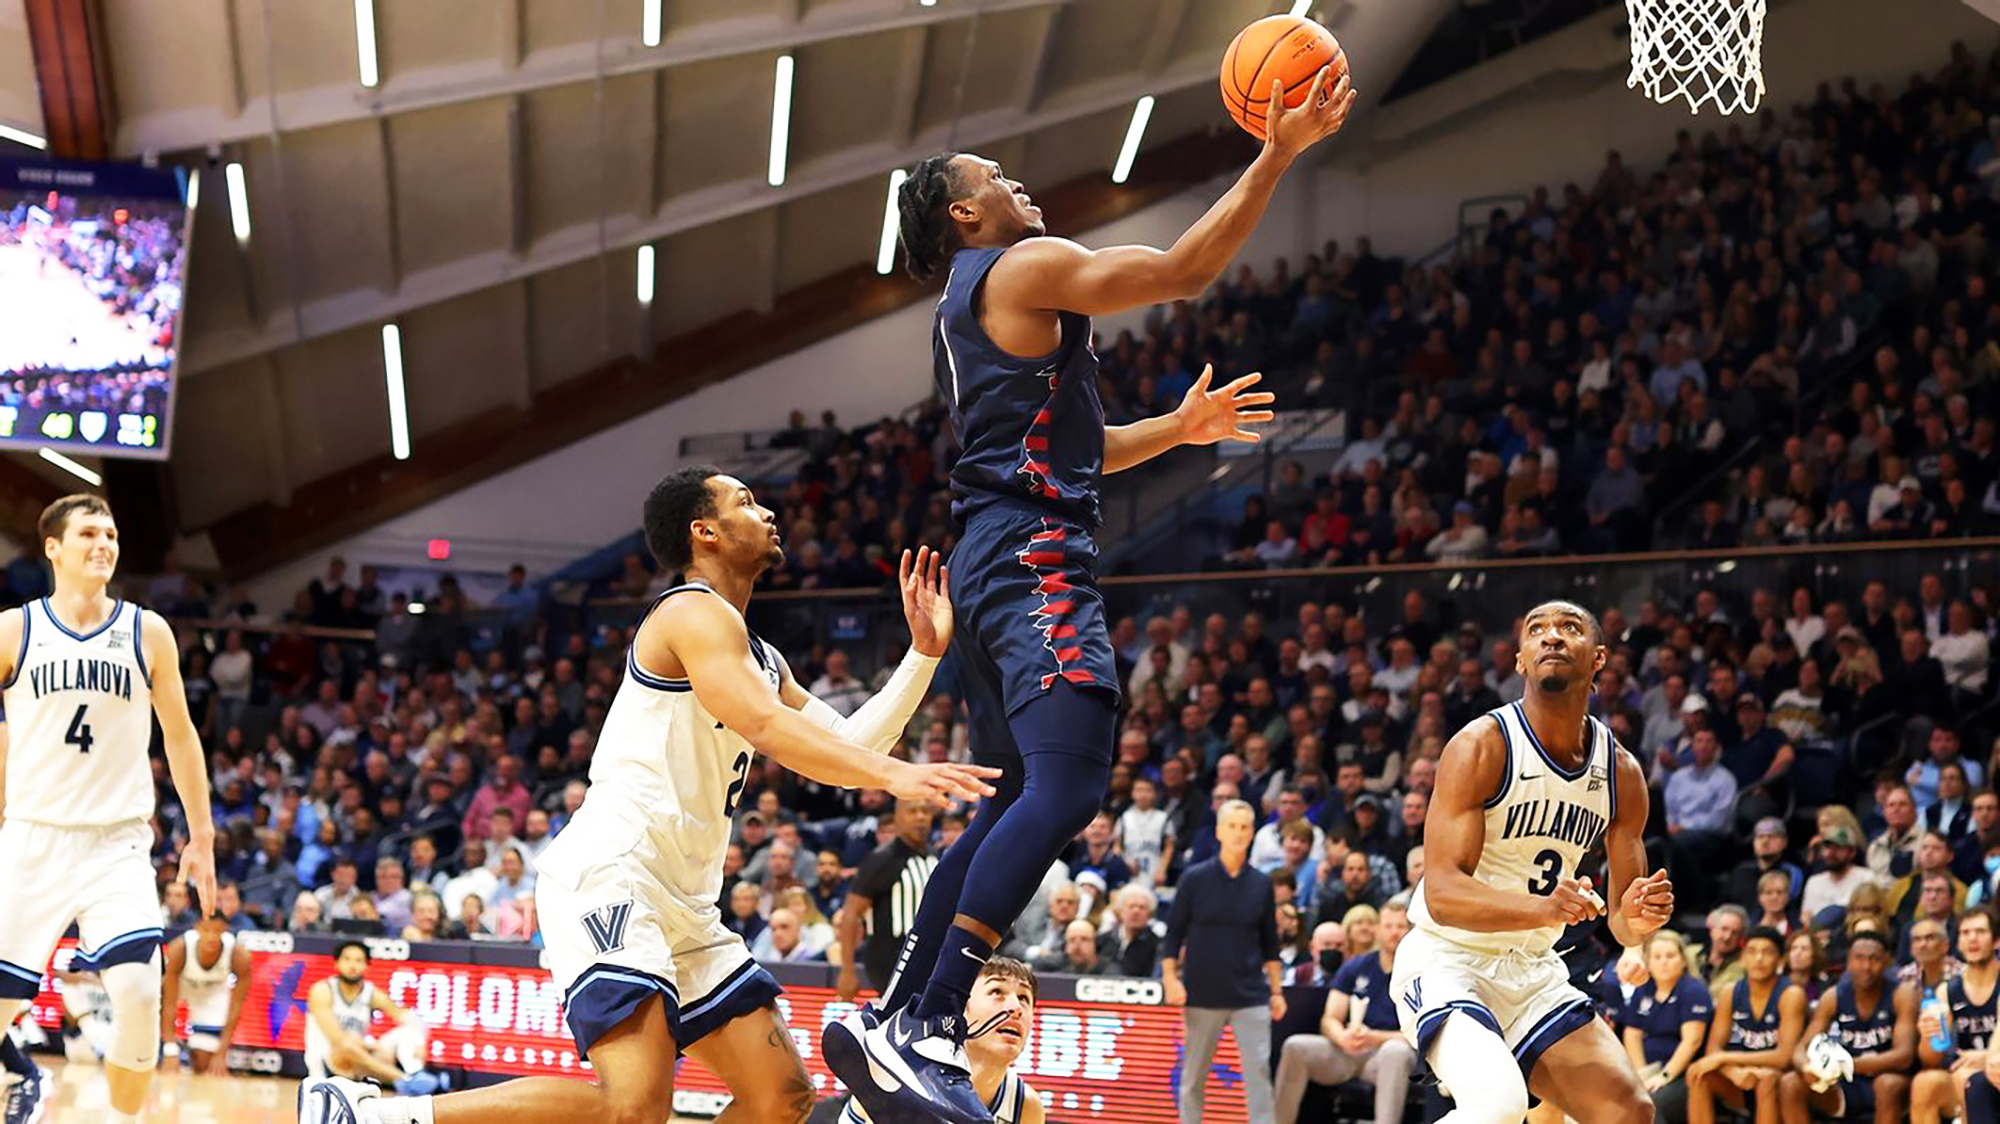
(1702, 51)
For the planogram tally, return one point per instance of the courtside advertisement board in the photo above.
(1102, 1049)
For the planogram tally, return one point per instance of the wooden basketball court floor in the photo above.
(178, 1098)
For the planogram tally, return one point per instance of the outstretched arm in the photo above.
(1645, 901)
(1055, 274)
(185, 759)
(880, 722)
(707, 637)
(1204, 417)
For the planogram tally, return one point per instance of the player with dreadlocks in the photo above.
(1012, 359)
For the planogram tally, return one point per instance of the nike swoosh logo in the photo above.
(1531, 776)
(973, 956)
(899, 1036)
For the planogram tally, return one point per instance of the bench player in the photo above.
(627, 892)
(340, 1038)
(1523, 794)
(83, 674)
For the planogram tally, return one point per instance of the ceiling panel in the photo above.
(828, 231)
(464, 356)
(335, 219)
(439, 33)
(959, 85)
(464, 146)
(154, 54)
(568, 332)
(704, 275)
(842, 92)
(718, 122)
(311, 44)
(333, 402)
(220, 438)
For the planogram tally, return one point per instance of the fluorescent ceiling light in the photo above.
(646, 275)
(781, 118)
(392, 367)
(885, 257)
(194, 188)
(1141, 113)
(1301, 7)
(650, 24)
(21, 136)
(71, 467)
(239, 201)
(364, 41)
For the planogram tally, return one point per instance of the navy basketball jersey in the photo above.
(1971, 1023)
(1031, 431)
(1864, 1032)
(1753, 1030)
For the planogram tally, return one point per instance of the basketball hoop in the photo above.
(1703, 51)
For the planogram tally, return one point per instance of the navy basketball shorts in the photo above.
(1024, 590)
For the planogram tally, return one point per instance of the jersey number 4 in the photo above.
(79, 731)
(1552, 869)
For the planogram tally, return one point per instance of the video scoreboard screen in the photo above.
(93, 269)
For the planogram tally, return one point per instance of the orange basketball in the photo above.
(1287, 48)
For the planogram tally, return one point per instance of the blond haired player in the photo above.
(1001, 1013)
(83, 674)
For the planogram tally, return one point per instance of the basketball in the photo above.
(1288, 48)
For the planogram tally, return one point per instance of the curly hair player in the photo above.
(1011, 357)
(1523, 794)
(628, 891)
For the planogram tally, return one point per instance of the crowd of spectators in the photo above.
(1804, 299)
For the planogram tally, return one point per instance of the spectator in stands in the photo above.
(474, 878)
(391, 899)
(1078, 955)
(1721, 961)
(1701, 801)
(837, 687)
(1835, 884)
(338, 896)
(1767, 845)
(472, 918)
(1892, 852)
(306, 914)
(1358, 1035)
(1934, 857)
(1964, 652)
(1929, 958)
(1132, 946)
(1096, 853)
(780, 939)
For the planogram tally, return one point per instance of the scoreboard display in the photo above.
(1101, 1049)
(93, 271)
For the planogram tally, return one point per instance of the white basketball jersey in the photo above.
(206, 990)
(664, 766)
(79, 721)
(1539, 826)
(352, 1016)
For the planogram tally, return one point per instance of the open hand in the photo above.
(1648, 903)
(1289, 132)
(926, 600)
(1207, 416)
(939, 785)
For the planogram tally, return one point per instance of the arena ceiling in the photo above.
(491, 192)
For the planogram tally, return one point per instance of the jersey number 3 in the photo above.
(79, 731)
(742, 770)
(1552, 869)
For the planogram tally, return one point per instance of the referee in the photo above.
(886, 891)
(1225, 918)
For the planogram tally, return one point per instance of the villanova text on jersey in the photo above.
(104, 677)
(1555, 819)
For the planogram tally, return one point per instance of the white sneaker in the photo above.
(337, 1100)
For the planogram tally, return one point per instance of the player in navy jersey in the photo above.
(1938, 1092)
(1012, 357)
(1876, 1023)
(1757, 1026)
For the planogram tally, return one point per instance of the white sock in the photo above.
(402, 1110)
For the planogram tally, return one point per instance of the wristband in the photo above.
(171, 1050)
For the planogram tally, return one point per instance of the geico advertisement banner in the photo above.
(1114, 1056)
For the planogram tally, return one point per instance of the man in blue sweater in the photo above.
(1224, 921)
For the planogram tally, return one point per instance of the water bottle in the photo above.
(1938, 1006)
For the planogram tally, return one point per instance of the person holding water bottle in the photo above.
(1852, 1062)
(1953, 1041)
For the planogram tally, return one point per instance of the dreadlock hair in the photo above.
(928, 234)
(675, 502)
